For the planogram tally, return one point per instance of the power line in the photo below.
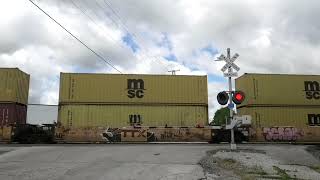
(117, 15)
(113, 22)
(96, 2)
(100, 27)
(144, 52)
(114, 11)
(131, 34)
(98, 55)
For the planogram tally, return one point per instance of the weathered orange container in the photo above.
(11, 114)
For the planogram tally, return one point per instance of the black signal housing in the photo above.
(223, 98)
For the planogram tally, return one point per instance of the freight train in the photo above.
(148, 108)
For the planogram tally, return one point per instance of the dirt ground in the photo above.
(258, 162)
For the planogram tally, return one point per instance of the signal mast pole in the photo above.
(233, 144)
(230, 66)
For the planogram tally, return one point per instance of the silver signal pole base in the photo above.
(233, 146)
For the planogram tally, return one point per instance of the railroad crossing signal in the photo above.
(230, 65)
(237, 97)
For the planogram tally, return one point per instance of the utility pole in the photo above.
(173, 72)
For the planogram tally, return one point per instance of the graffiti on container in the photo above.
(111, 135)
(171, 134)
(59, 135)
(282, 133)
(134, 132)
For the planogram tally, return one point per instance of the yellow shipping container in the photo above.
(14, 85)
(132, 89)
(284, 123)
(279, 89)
(116, 116)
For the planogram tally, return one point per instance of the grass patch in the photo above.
(282, 173)
(246, 173)
(237, 150)
(251, 173)
(215, 165)
(315, 168)
(257, 170)
(228, 164)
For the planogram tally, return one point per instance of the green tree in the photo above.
(220, 116)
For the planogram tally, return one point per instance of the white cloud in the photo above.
(270, 36)
(263, 40)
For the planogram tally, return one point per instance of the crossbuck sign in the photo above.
(230, 65)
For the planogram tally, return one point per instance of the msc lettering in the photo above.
(135, 88)
(312, 89)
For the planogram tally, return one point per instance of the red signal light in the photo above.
(238, 97)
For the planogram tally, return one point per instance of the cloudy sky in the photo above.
(155, 36)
